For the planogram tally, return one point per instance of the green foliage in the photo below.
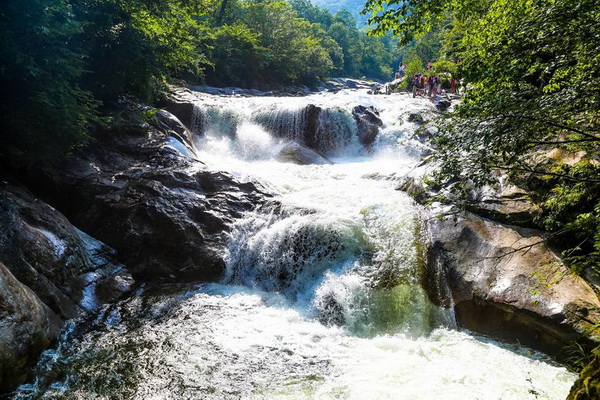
(294, 47)
(235, 55)
(532, 70)
(45, 112)
(444, 67)
(414, 65)
(132, 46)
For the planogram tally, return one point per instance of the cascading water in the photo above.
(322, 296)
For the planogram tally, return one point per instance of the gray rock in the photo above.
(165, 215)
(296, 153)
(509, 205)
(416, 117)
(45, 252)
(27, 327)
(442, 103)
(49, 272)
(367, 123)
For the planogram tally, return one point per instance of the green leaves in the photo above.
(532, 108)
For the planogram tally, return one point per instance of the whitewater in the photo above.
(322, 297)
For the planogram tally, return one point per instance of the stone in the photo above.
(416, 117)
(165, 214)
(42, 250)
(503, 281)
(297, 154)
(442, 103)
(49, 272)
(367, 123)
(508, 204)
(27, 327)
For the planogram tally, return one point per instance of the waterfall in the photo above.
(327, 293)
(325, 129)
(218, 120)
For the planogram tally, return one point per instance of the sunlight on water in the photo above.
(322, 295)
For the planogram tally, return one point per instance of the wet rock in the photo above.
(442, 103)
(325, 130)
(43, 250)
(112, 288)
(587, 386)
(505, 283)
(27, 327)
(181, 104)
(336, 84)
(414, 189)
(505, 203)
(416, 117)
(367, 123)
(296, 153)
(165, 214)
(49, 272)
(169, 121)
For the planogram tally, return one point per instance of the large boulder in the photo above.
(49, 255)
(49, 272)
(165, 214)
(297, 154)
(504, 282)
(367, 123)
(27, 327)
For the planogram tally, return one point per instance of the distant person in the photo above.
(397, 76)
(429, 66)
(431, 85)
(416, 84)
(452, 85)
(402, 69)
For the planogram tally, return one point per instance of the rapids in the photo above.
(322, 298)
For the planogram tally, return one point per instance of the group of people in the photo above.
(426, 85)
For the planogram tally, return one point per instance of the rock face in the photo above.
(27, 327)
(296, 153)
(509, 205)
(49, 272)
(46, 253)
(367, 123)
(503, 282)
(165, 214)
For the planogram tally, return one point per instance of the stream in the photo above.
(322, 297)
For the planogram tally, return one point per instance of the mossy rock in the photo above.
(587, 386)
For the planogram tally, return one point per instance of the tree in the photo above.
(532, 69)
(45, 111)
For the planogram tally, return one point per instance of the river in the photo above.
(322, 298)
